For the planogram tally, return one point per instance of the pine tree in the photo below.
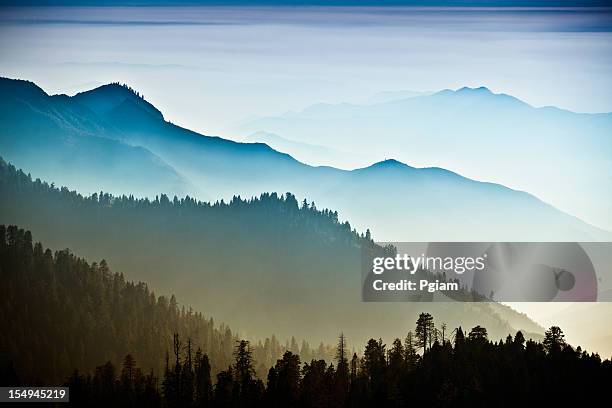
(554, 340)
(128, 372)
(243, 367)
(410, 352)
(424, 330)
(478, 334)
(459, 337)
(519, 339)
(203, 383)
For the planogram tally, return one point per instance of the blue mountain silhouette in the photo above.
(486, 135)
(111, 139)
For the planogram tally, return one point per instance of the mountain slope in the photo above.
(316, 155)
(212, 161)
(264, 265)
(61, 313)
(398, 202)
(546, 151)
(54, 137)
(433, 204)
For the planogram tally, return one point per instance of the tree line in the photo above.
(465, 369)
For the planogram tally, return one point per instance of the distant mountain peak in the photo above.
(113, 89)
(106, 98)
(389, 164)
(392, 164)
(117, 87)
(20, 88)
(482, 94)
(479, 90)
(467, 91)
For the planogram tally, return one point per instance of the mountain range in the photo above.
(563, 157)
(111, 139)
(265, 265)
(316, 155)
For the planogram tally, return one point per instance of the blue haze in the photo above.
(212, 68)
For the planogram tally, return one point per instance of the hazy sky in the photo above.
(208, 68)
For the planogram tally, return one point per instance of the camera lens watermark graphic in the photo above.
(488, 271)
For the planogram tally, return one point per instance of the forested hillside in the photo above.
(264, 265)
(59, 313)
(62, 317)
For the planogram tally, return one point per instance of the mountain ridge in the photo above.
(215, 168)
(485, 135)
(108, 97)
(282, 262)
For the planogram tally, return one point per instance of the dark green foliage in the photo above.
(103, 388)
(554, 340)
(474, 373)
(247, 388)
(284, 381)
(59, 313)
(201, 251)
(281, 262)
(424, 330)
(75, 312)
(478, 334)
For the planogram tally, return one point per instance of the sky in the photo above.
(210, 68)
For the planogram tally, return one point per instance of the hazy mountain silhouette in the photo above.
(396, 201)
(54, 137)
(484, 135)
(308, 153)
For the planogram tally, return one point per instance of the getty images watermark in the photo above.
(488, 271)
